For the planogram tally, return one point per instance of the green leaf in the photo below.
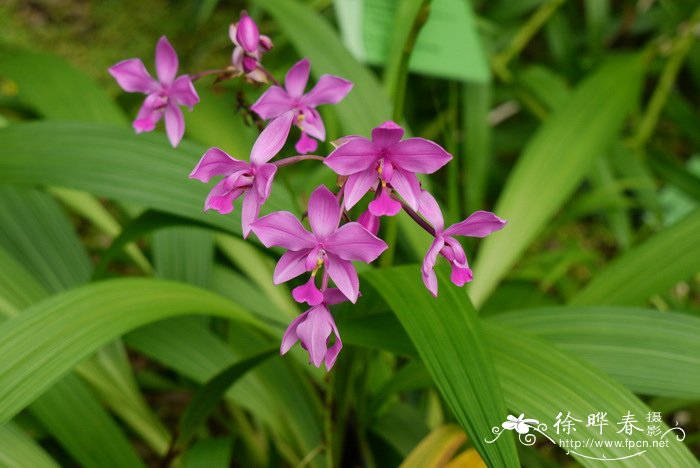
(142, 169)
(670, 256)
(39, 235)
(540, 380)
(553, 164)
(18, 450)
(69, 410)
(92, 210)
(90, 316)
(448, 337)
(209, 453)
(56, 90)
(205, 400)
(184, 254)
(72, 413)
(537, 379)
(367, 105)
(646, 350)
(192, 350)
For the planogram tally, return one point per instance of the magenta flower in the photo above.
(389, 160)
(369, 222)
(249, 47)
(478, 224)
(253, 178)
(163, 96)
(313, 328)
(277, 100)
(327, 245)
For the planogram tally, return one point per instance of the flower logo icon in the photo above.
(521, 425)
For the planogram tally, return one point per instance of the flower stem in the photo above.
(295, 159)
(680, 49)
(499, 63)
(218, 71)
(416, 217)
(328, 423)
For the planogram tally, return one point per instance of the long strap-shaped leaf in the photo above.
(51, 337)
(448, 336)
(142, 169)
(644, 349)
(537, 378)
(554, 163)
(17, 449)
(653, 267)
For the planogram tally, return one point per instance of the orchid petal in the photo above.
(166, 61)
(461, 275)
(247, 34)
(324, 212)
(328, 90)
(333, 351)
(216, 162)
(314, 332)
(384, 205)
(290, 265)
(250, 211)
(133, 77)
(478, 224)
(174, 124)
(370, 222)
(283, 229)
(358, 185)
(264, 175)
(406, 184)
(272, 139)
(419, 155)
(182, 92)
(149, 114)
(221, 198)
(357, 155)
(343, 274)
(387, 134)
(232, 29)
(354, 242)
(429, 277)
(290, 336)
(430, 209)
(265, 43)
(333, 296)
(297, 77)
(306, 144)
(308, 292)
(456, 252)
(313, 124)
(273, 103)
(509, 425)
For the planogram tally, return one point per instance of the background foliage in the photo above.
(136, 330)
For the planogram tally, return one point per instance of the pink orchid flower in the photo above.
(327, 245)
(313, 328)
(388, 160)
(478, 224)
(249, 47)
(253, 178)
(369, 221)
(163, 96)
(277, 100)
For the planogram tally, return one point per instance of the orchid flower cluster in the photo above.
(386, 165)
